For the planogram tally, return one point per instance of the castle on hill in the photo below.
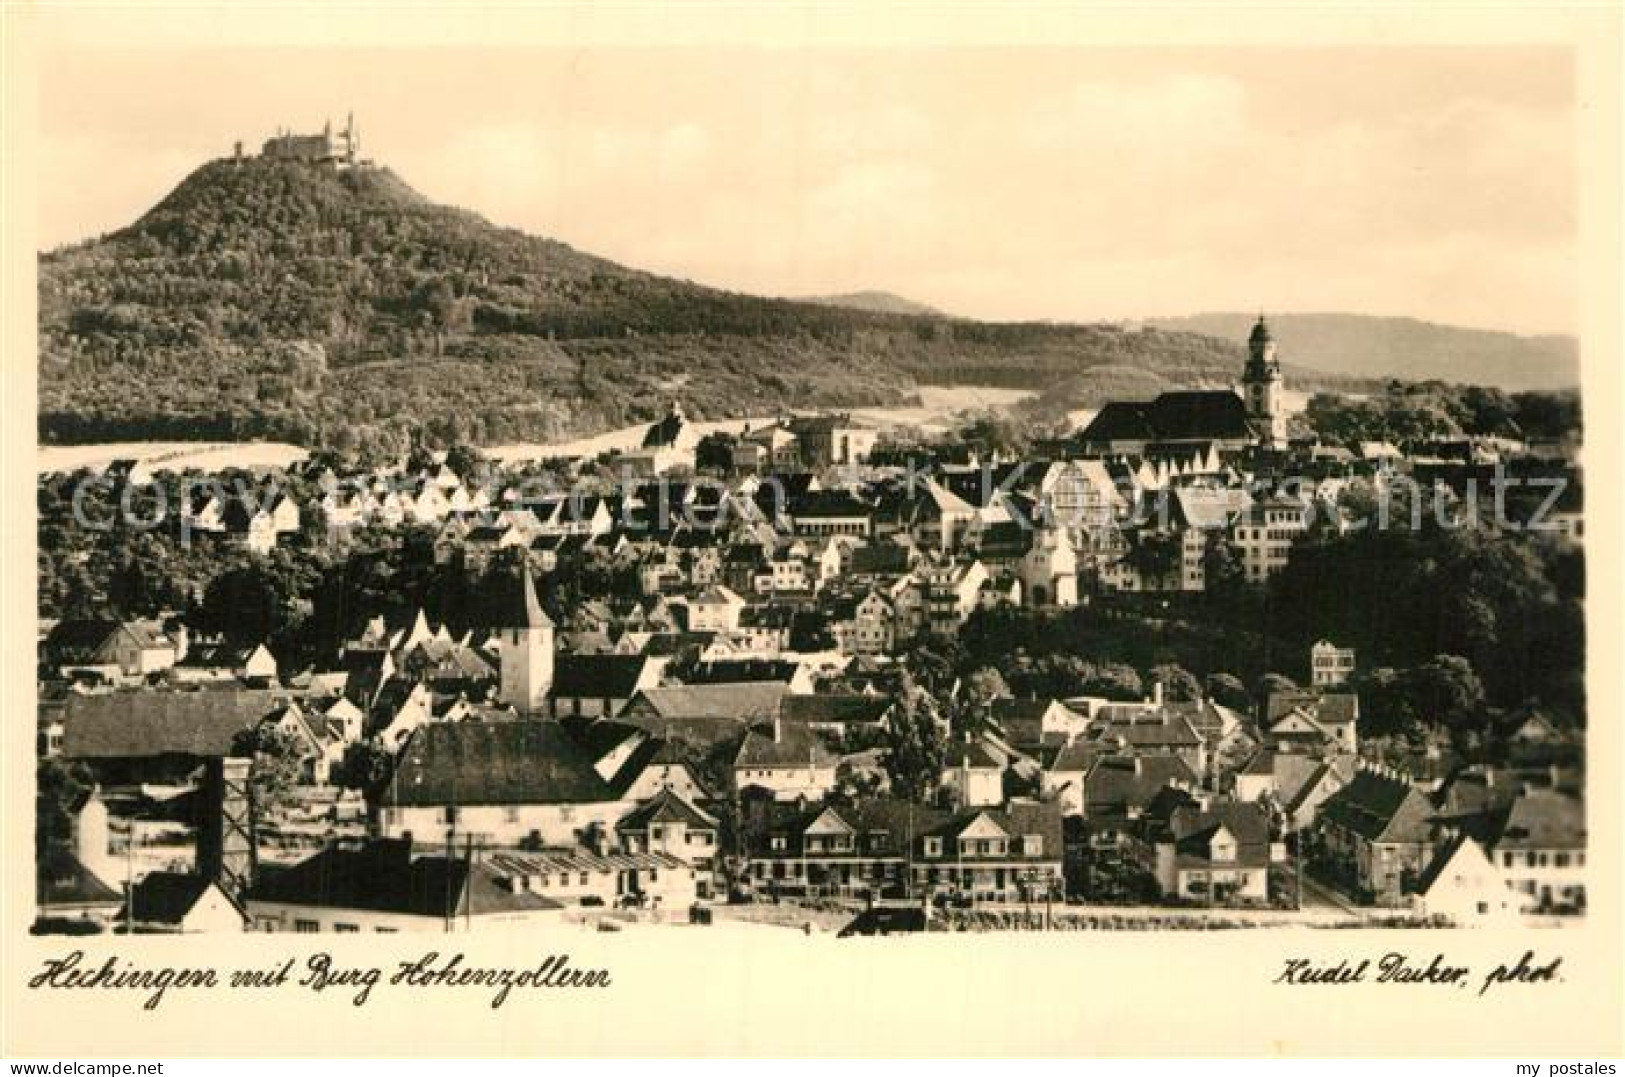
(330, 148)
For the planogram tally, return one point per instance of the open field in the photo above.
(172, 455)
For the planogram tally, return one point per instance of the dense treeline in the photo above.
(1406, 413)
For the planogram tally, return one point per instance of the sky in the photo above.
(1067, 184)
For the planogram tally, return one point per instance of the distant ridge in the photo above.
(1370, 346)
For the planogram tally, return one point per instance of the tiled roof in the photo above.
(526, 762)
(127, 725)
(844, 709)
(61, 879)
(1116, 782)
(1332, 708)
(794, 746)
(598, 676)
(165, 897)
(1379, 809)
(666, 807)
(1544, 819)
(746, 702)
(384, 876)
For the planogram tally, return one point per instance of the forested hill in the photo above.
(1358, 345)
(268, 299)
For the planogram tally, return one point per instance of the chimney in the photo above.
(1139, 766)
(183, 641)
(1156, 693)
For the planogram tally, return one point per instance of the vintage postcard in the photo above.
(825, 530)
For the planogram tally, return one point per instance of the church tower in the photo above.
(1263, 389)
(525, 645)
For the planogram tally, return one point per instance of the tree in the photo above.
(60, 789)
(1179, 685)
(916, 747)
(277, 765)
(1272, 683)
(1448, 691)
(1226, 690)
(366, 768)
(1113, 681)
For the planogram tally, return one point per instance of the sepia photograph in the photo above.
(833, 500)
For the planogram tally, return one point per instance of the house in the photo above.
(1149, 729)
(148, 735)
(1539, 847)
(1313, 722)
(1264, 535)
(706, 714)
(1330, 665)
(69, 897)
(1374, 835)
(1063, 780)
(715, 609)
(386, 886)
(787, 760)
(764, 627)
(1118, 788)
(172, 902)
(951, 591)
(838, 713)
(510, 783)
(795, 676)
(973, 775)
(993, 856)
(110, 650)
(1216, 855)
(882, 847)
(224, 662)
(832, 440)
(670, 824)
(1299, 784)
(599, 685)
(583, 877)
(827, 513)
(1462, 883)
(668, 445)
(865, 623)
(1028, 723)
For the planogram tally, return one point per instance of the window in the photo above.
(657, 833)
(778, 843)
(306, 927)
(346, 929)
(584, 879)
(933, 846)
(451, 813)
(385, 930)
(268, 923)
(510, 814)
(1033, 844)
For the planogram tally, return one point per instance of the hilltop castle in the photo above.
(335, 149)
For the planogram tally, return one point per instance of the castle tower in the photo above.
(1263, 389)
(525, 646)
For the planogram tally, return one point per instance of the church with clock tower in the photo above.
(1263, 389)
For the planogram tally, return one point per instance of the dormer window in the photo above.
(1033, 844)
(933, 846)
(778, 843)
